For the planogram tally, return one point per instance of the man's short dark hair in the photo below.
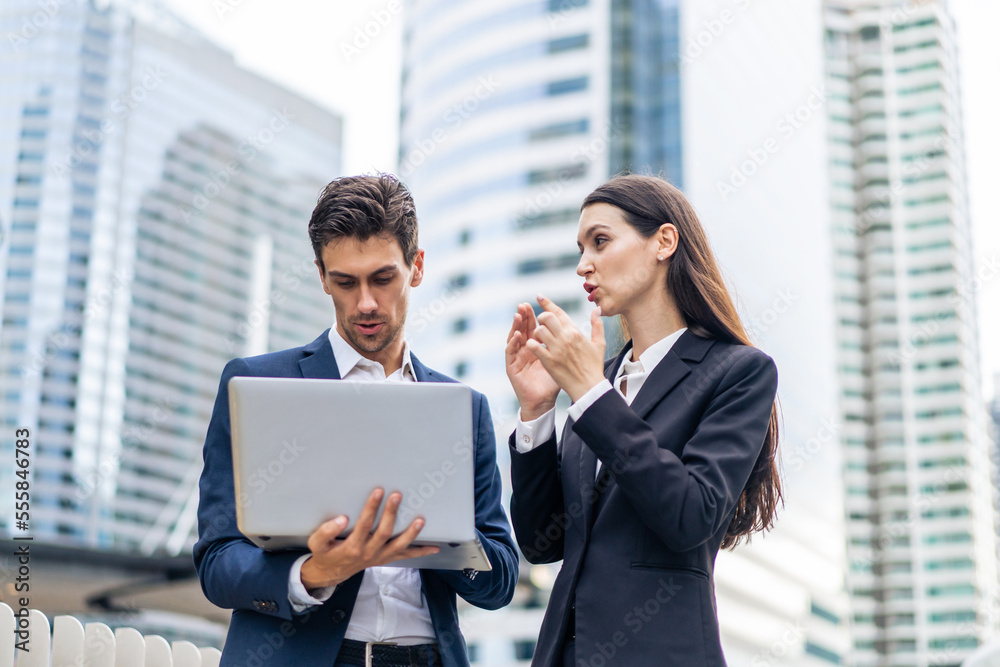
(361, 207)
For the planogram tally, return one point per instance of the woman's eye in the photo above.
(599, 241)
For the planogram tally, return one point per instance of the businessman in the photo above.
(336, 603)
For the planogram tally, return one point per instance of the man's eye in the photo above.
(383, 281)
(345, 283)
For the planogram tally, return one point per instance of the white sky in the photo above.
(313, 47)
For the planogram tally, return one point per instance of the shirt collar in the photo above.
(347, 357)
(654, 353)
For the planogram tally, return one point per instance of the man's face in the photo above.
(370, 285)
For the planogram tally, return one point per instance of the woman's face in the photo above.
(618, 264)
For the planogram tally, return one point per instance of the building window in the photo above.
(566, 86)
(953, 617)
(568, 43)
(565, 173)
(822, 653)
(548, 218)
(524, 649)
(953, 643)
(542, 264)
(459, 282)
(870, 33)
(824, 613)
(566, 5)
(560, 130)
(571, 306)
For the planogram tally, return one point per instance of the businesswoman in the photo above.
(668, 452)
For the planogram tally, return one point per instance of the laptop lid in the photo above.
(308, 450)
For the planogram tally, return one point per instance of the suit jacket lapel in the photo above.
(668, 373)
(421, 372)
(319, 361)
(588, 459)
(672, 369)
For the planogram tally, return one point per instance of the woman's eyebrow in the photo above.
(593, 228)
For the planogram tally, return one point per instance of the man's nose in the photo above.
(367, 303)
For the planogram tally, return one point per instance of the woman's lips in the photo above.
(590, 291)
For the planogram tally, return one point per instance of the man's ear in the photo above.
(418, 269)
(322, 275)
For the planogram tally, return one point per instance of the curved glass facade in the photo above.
(158, 197)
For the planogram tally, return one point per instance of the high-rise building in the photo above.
(155, 198)
(994, 410)
(922, 546)
(511, 115)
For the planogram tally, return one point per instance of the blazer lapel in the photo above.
(421, 372)
(319, 361)
(672, 369)
(668, 373)
(588, 459)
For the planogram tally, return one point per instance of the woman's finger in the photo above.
(539, 350)
(513, 349)
(551, 307)
(545, 335)
(597, 328)
(531, 323)
(515, 326)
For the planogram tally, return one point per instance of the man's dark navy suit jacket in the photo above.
(638, 563)
(236, 574)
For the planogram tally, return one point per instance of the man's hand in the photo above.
(334, 561)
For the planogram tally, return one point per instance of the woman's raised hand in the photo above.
(535, 389)
(573, 360)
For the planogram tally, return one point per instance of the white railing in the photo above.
(70, 644)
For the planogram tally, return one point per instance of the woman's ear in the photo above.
(667, 241)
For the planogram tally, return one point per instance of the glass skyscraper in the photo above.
(154, 197)
(918, 471)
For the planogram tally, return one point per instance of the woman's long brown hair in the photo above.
(695, 283)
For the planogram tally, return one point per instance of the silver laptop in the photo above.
(306, 451)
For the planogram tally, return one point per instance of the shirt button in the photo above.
(527, 439)
(385, 590)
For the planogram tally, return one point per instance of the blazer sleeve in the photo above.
(536, 503)
(686, 500)
(234, 572)
(493, 589)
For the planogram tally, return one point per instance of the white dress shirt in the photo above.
(391, 605)
(529, 434)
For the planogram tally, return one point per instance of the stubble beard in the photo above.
(374, 343)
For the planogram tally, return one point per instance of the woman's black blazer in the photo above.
(638, 557)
